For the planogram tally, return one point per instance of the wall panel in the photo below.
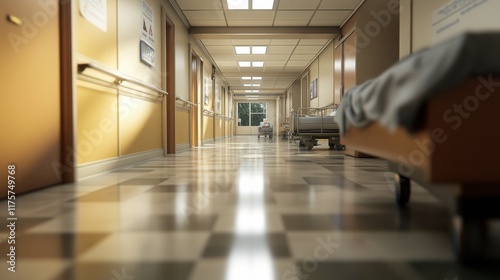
(181, 126)
(97, 133)
(140, 125)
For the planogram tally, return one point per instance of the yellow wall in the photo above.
(208, 128)
(140, 125)
(94, 43)
(30, 103)
(115, 122)
(182, 126)
(97, 127)
(220, 128)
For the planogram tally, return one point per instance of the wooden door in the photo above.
(30, 110)
(194, 98)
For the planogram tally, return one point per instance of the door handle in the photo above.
(15, 20)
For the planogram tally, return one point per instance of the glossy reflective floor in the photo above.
(242, 208)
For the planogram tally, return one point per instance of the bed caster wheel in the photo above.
(302, 146)
(339, 147)
(402, 186)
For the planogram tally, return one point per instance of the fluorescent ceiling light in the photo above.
(247, 85)
(261, 4)
(248, 91)
(259, 50)
(258, 64)
(242, 50)
(255, 90)
(237, 4)
(256, 78)
(244, 4)
(244, 63)
(256, 85)
(246, 78)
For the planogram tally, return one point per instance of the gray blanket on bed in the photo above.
(396, 97)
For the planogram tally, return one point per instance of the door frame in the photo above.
(168, 67)
(68, 154)
(194, 76)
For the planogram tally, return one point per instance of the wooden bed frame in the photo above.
(456, 143)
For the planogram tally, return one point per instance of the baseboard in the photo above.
(182, 147)
(94, 168)
(207, 141)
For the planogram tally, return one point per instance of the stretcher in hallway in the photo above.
(311, 124)
(434, 117)
(265, 129)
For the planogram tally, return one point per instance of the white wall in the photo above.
(437, 20)
(325, 80)
(130, 20)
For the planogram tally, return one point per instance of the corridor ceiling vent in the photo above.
(245, 4)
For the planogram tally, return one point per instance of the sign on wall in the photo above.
(147, 27)
(147, 50)
(95, 12)
(462, 15)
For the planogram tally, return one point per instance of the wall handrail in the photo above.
(209, 112)
(120, 77)
(185, 101)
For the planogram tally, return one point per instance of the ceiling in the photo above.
(294, 31)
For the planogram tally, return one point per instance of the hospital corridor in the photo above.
(249, 140)
(243, 208)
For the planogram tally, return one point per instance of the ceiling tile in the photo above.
(228, 68)
(329, 18)
(293, 18)
(250, 18)
(216, 42)
(313, 42)
(219, 50)
(298, 4)
(307, 49)
(280, 49)
(302, 57)
(240, 42)
(202, 18)
(298, 63)
(339, 4)
(199, 5)
(275, 63)
(284, 42)
(277, 57)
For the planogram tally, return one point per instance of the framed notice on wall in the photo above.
(95, 12)
(147, 53)
(313, 88)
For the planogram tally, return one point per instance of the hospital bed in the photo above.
(311, 124)
(434, 116)
(265, 129)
